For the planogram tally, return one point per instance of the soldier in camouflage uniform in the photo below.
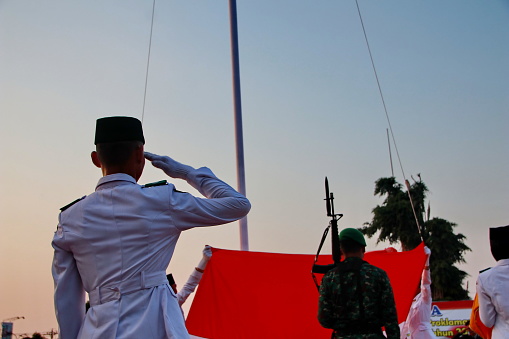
(356, 298)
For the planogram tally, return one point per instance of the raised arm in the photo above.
(223, 204)
(195, 277)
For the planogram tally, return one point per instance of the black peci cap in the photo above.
(499, 241)
(114, 129)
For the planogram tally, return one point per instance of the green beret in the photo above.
(352, 234)
(115, 129)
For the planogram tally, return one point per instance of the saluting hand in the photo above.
(171, 167)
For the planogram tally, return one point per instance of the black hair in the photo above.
(499, 242)
(113, 154)
(350, 246)
(499, 250)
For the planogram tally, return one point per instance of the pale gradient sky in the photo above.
(311, 109)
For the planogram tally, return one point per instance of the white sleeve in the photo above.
(189, 286)
(222, 205)
(487, 311)
(403, 330)
(69, 295)
(426, 286)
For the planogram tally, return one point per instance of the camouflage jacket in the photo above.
(356, 300)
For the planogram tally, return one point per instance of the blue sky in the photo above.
(311, 109)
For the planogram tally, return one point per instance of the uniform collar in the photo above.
(353, 259)
(114, 180)
(503, 262)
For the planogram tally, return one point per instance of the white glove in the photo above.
(427, 251)
(171, 167)
(207, 254)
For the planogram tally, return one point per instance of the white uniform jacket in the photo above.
(116, 244)
(493, 293)
(417, 324)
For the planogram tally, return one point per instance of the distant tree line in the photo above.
(395, 222)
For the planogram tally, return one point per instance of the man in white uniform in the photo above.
(493, 286)
(117, 242)
(418, 324)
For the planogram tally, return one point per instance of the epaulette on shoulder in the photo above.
(72, 203)
(157, 183)
(484, 270)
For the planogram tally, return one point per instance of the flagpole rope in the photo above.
(407, 184)
(148, 61)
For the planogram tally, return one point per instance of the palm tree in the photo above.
(394, 221)
(447, 249)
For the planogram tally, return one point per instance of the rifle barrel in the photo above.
(327, 198)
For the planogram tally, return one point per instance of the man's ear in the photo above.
(95, 159)
(140, 154)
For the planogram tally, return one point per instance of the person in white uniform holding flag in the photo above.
(493, 286)
(116, 243)
(417, 324)
(193, 280)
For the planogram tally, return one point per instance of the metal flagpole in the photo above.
(241, 178)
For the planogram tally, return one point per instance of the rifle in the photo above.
(333, 224)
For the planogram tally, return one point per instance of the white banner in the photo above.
(450, 317)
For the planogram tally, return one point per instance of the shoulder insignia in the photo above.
(176, 190)
(72, 203)
(157, 183)
(484, 270)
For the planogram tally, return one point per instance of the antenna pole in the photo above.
(390, 153)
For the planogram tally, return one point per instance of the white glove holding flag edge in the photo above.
(207, 254)
(427, 251)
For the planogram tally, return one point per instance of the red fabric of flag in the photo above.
(252, 295)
